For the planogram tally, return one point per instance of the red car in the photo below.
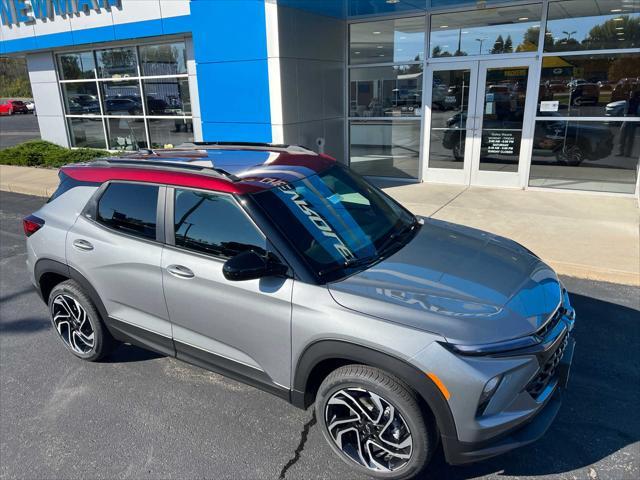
(9, 107)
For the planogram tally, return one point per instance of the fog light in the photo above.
(487, 392)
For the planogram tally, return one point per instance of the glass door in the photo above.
(451, 96)
(480, 122)
(503, 122)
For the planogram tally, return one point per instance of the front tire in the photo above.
(373, 421)
(77, 322)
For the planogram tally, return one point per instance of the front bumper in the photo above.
(457, 452)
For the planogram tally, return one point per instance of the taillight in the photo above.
(32, 224)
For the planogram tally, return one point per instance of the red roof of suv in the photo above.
(230, 169)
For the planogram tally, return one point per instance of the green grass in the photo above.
(38, 153)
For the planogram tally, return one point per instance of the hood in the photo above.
(466, 285)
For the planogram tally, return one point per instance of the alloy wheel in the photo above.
(368, 429)
(72, 323)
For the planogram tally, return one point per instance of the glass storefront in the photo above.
(558, 108)
(126, 98)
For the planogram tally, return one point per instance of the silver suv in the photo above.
(283, 269)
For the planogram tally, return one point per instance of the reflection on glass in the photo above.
(592, 25)
(502, 118)
(450, 98)
(121, 98)
(126, 134)
(167, 96)
(167, 59)
(599, 156)
(387, 41)
(389, 148)
(449, 109)
(86, 132)
(446, 148)
(80, 98)
(117, 63)
(386, 91)
(170, 131)
(76, 66)
(486, 32)
(590, 86)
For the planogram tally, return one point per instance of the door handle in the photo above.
(180, 271)
(83, 245)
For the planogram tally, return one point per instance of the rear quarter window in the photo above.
(129, 208)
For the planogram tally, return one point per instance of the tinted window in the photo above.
(130, 209)
(169, 59)
(214, 224)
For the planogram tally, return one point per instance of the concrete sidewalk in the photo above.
(580, 235)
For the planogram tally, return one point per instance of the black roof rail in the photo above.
(167, 163)
(248, 145)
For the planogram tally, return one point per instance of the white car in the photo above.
(31, 106)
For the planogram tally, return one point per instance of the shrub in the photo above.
(38, 153)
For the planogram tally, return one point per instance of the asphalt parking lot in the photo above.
(18, 128)
(141, 415)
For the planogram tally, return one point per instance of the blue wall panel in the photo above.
(230, 48)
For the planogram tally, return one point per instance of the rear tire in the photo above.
(373, 421)
(77, 322)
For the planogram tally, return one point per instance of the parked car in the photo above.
(6, 107)
(10, 107)
(31, 106)
(122, 106)
(570, 144)
(284, 269)
(583, 92)
(625, 89)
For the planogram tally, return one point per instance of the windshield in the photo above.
(336, 220)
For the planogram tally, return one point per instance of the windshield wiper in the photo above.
(395, 236)
(354, 262)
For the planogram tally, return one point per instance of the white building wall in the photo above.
(46, 95)
(307, 78)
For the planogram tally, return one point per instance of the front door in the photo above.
(240, 329)
(479, 122)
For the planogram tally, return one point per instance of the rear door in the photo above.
(238, 328)
(117, 246)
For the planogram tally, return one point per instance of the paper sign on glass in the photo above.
(549, 106)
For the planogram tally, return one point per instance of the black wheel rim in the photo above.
(368, 429)
(72, 323)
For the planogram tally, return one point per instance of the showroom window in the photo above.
(486, 32)
(385, 96)
(587, 131)
(127, 98)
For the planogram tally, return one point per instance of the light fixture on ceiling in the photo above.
(522, 19)
(619, 28)
(618, 19)
(357, 53)
(376, 33)
(392, 2)
(444, 26)
(379, 46)
(615, 10)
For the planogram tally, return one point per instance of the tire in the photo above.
(571, 155)
(83, 334)
(358, 386)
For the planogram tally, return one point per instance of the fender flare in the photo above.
(323, 350)
(46, 265)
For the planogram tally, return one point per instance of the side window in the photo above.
(129, 208)
(214, 224)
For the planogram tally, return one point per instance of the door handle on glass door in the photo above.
(180, 271)
(84, 245)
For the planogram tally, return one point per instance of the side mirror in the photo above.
(249, 265)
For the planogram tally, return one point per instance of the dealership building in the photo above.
(523, 94)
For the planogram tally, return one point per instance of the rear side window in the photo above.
(129, 208)
(214, 224)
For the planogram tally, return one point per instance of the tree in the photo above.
(14, 79)
(498, 46)
(606, 35)
(508, 45)
(530, 40)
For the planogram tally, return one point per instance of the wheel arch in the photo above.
(49, 273)
(322, 357)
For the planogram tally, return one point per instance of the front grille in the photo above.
(551, 323)
(548, 370)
